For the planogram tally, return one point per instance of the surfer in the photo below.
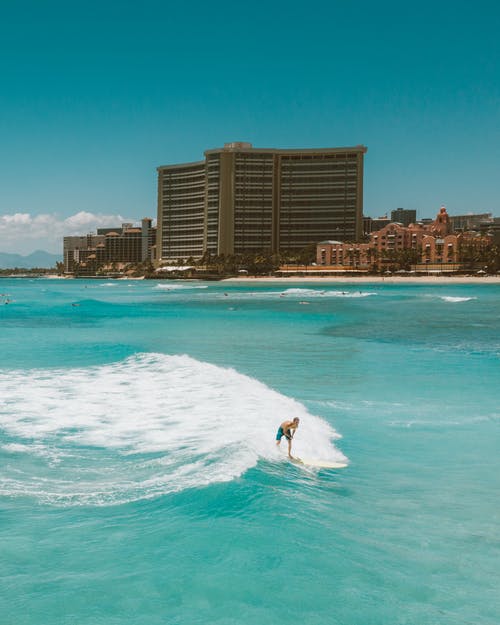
(287, 429)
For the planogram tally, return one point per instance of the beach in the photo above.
(403, 280)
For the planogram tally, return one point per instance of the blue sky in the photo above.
(94, 96)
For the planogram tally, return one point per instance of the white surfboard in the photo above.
(323, 464)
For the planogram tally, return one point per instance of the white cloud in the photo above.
(18, 219)
(23, 233)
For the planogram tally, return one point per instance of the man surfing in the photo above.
(287, 429)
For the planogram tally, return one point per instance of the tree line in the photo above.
(472, 258)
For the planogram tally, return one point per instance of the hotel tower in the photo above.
(241, 199)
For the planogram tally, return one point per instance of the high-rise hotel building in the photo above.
(241, 199)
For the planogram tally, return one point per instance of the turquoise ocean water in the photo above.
(139, 479)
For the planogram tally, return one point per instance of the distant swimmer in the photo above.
(287, 429)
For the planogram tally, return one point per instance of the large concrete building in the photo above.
(241, 199)
(404, 216)
(125, 244)
(372, 224)
(471, 221)
(77, 249)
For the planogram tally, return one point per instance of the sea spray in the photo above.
(148, 425)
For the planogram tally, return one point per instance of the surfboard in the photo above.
(323, 464)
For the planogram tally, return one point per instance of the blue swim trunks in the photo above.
(280, 433)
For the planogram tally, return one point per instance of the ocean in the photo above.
(140, 482)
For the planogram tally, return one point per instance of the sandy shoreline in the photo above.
(374, 279)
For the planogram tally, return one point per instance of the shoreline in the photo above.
(372, 279)
(407, 280)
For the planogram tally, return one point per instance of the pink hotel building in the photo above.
(435, 245)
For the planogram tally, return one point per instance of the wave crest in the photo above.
(452, 299)
(175, 286)
(149, 425)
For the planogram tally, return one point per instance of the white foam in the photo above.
(293, 293)
(175, 286)
(52, 455)
(449, 298)
(326, 293)
(148, 425)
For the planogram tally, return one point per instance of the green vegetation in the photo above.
(473, 258)
(485, 258)
(259, 264)
(399, 260)
(22, 271)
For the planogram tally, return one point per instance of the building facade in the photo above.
(423, 246)
(492, 229)
(122, 245)
(242, 199)
(76, 249)
(404, 216)
(471, 221)
(379, 222)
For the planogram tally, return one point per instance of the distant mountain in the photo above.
(35, 259)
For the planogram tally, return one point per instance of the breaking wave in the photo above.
(175, 286)
(146, 426)
(326, 293)
(449, 298)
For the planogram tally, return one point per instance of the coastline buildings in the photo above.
(404, 216)
(109, 246)
(372, 224)
(492, 228)
(242, 199)
(77, 249)
(425, 247)
(471, 221)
